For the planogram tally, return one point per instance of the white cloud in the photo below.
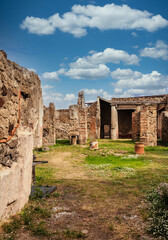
(96, 72)
(109, 55)
(46, 87)
(160, 50)
(134, 34)
(70, 97)
(38, 26)
(137, 83)
(97, 92)
(50, 76)
(93, 66)
(108, 17)
(32, 69)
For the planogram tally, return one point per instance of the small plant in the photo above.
(74, 234)
(12, 226)
(158, 212)
(56, 195)
(40, 230)
(37, 194)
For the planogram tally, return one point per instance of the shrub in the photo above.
(158, 212)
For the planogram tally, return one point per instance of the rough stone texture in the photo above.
(92, 121)
(165, 126)
(14, 78)
(136, 124)
(62, 123)
(49, 136)
(114, 123)
(148, 125)
(157, 99)
(82, 118)
(15, 182)
(16, 153)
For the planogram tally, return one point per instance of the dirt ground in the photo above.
(87, 205)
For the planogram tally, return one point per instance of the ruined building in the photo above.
(21, 113)
(23, 126)
(143, 119)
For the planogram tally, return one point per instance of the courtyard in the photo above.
(101, 194)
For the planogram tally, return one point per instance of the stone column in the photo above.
(114, 123)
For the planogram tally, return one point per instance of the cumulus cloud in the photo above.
(96, 72)
(160, 50)
(93, 65)
(97, 92)
(70, 97)
(107, 17)
(109, 55)
(136, 83)
(46, 87)
(50, 75)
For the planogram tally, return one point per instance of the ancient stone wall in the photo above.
(148, 125)
(92, 121)
(14, 80)
(136, 124)
(49, 132)
(74, 120)
(165, 126)
(82, 118)
(21, 112)
(62, 123)
(157, 98)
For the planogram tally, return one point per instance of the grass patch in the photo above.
(74, 234)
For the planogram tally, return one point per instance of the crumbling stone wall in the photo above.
(49, 136)
(82, 118)
(15, 79)
(62, 123)
(136, 124)
(165, 126)
(148, 125)
(156, 98)
(92, 121)
(21, 112)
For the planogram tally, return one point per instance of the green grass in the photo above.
(111, 181)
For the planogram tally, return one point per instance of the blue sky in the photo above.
(107, 48)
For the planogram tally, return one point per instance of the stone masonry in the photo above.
(165, 126)
(49, 136)
(21, 112)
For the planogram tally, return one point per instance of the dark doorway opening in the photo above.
(125, 123)
(105, 128)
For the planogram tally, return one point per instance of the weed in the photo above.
(74, 234)
(12, 226)
(40, 229)
(56, 195)
(37, 194)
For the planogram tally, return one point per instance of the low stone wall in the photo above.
(15, 182)
(165, 126)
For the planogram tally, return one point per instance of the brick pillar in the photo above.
(82, 118)
(148, 125)
(49, 136)
(114, 123)
(135, 124)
